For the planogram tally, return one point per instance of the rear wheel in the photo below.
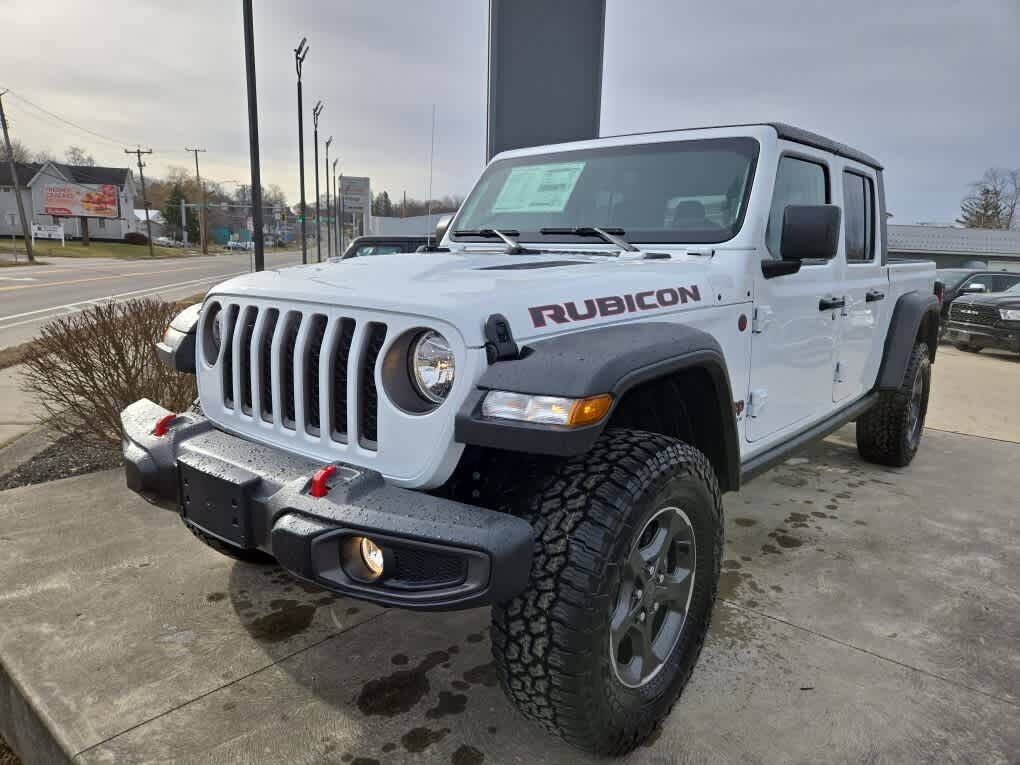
(890, 432)
(628, 541)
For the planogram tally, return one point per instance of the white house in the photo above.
(55, 193)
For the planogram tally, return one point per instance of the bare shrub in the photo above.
(85, 368)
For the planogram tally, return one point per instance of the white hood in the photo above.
(464, 289)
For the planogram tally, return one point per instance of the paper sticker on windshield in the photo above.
(538, 188)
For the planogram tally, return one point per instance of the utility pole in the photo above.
(403, 207)
(201, 210)
(25, 233)
(184, 222)
(329, 240)
(336, 225)
(299, 58)
(145, 202)
(318, 231)
(253, 135)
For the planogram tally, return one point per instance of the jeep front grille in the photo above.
(274, 363)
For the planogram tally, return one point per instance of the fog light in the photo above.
(372, 556)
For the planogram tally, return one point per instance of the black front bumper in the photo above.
(1005, 337)
(440, 554)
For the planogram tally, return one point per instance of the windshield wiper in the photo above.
(512, 247)
(610, 235)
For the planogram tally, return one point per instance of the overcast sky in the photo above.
(930, 88)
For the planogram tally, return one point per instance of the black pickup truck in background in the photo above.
(978, 321)
(971, 281)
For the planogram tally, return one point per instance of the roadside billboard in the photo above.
(77, 200)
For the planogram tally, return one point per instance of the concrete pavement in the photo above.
(18, 412)
(866, 615)
(32, 295)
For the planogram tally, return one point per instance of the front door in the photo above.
(793, 345)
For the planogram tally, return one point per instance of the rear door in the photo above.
(793, 340)
(864, 287)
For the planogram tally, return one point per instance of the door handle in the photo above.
(829, 303)
(874, 295)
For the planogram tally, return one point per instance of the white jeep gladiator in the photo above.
(543, 418)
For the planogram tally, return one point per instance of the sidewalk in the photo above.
(18, 412)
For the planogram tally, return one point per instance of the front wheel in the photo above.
(628, 541)
(890, 432)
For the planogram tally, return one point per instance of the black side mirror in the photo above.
(810, 232)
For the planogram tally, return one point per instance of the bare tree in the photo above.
(76, 155)
(1002, 185)
(21, 151)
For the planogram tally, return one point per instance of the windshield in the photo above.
(678, 192)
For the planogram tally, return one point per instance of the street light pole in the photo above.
(318, 231)
(329, 240)
(299, 58)
(336, 205)
(253, 134)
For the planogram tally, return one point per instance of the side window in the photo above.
(858, 217)
(798, 182)
(979, 283)
(1003, 282)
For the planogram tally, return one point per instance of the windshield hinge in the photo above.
(499, 340)
(761, 319)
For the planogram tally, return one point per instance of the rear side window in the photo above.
(858, 217)
(798, 182)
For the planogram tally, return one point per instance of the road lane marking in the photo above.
(99, 278)
(17, 279)
(73, 307)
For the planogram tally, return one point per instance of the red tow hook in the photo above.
(319, 486)
(163, 425)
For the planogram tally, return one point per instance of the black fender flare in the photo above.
(610, 359)
(910, 311)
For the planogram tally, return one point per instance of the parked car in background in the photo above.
(979, 321)
(232, 245)
(386, 245)
(971, 281)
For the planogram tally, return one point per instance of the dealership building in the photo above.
(59, 194)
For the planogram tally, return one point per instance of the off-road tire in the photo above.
(885, 433)
(247, 556)
(551, 643)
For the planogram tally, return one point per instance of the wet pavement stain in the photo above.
(483, 674)
(389, 747)
(399, 659)
(745, 522)
(475, 637)
(460, 685)
(771, 550)
(467, 755)
(215, 597)
(784, 540)
(448, 704)
(284, 623)
(419, 739)
(730, 565)
(398, 692)
(792, 481)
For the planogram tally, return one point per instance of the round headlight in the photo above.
(432, 366)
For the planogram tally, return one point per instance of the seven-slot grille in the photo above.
(974, 313)
(292, 369)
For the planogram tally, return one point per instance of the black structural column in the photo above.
(545, 57)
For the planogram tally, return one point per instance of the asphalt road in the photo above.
(32, 295)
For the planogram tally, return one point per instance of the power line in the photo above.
(66, 121)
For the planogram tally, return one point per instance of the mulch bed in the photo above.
(7, 757)
(68, 456)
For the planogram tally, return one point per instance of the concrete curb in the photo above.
(17, 452)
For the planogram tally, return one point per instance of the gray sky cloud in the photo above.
(929, 88)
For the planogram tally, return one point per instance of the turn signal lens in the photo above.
(585, 411)
(545, 410)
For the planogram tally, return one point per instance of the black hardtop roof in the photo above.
(788, 133)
